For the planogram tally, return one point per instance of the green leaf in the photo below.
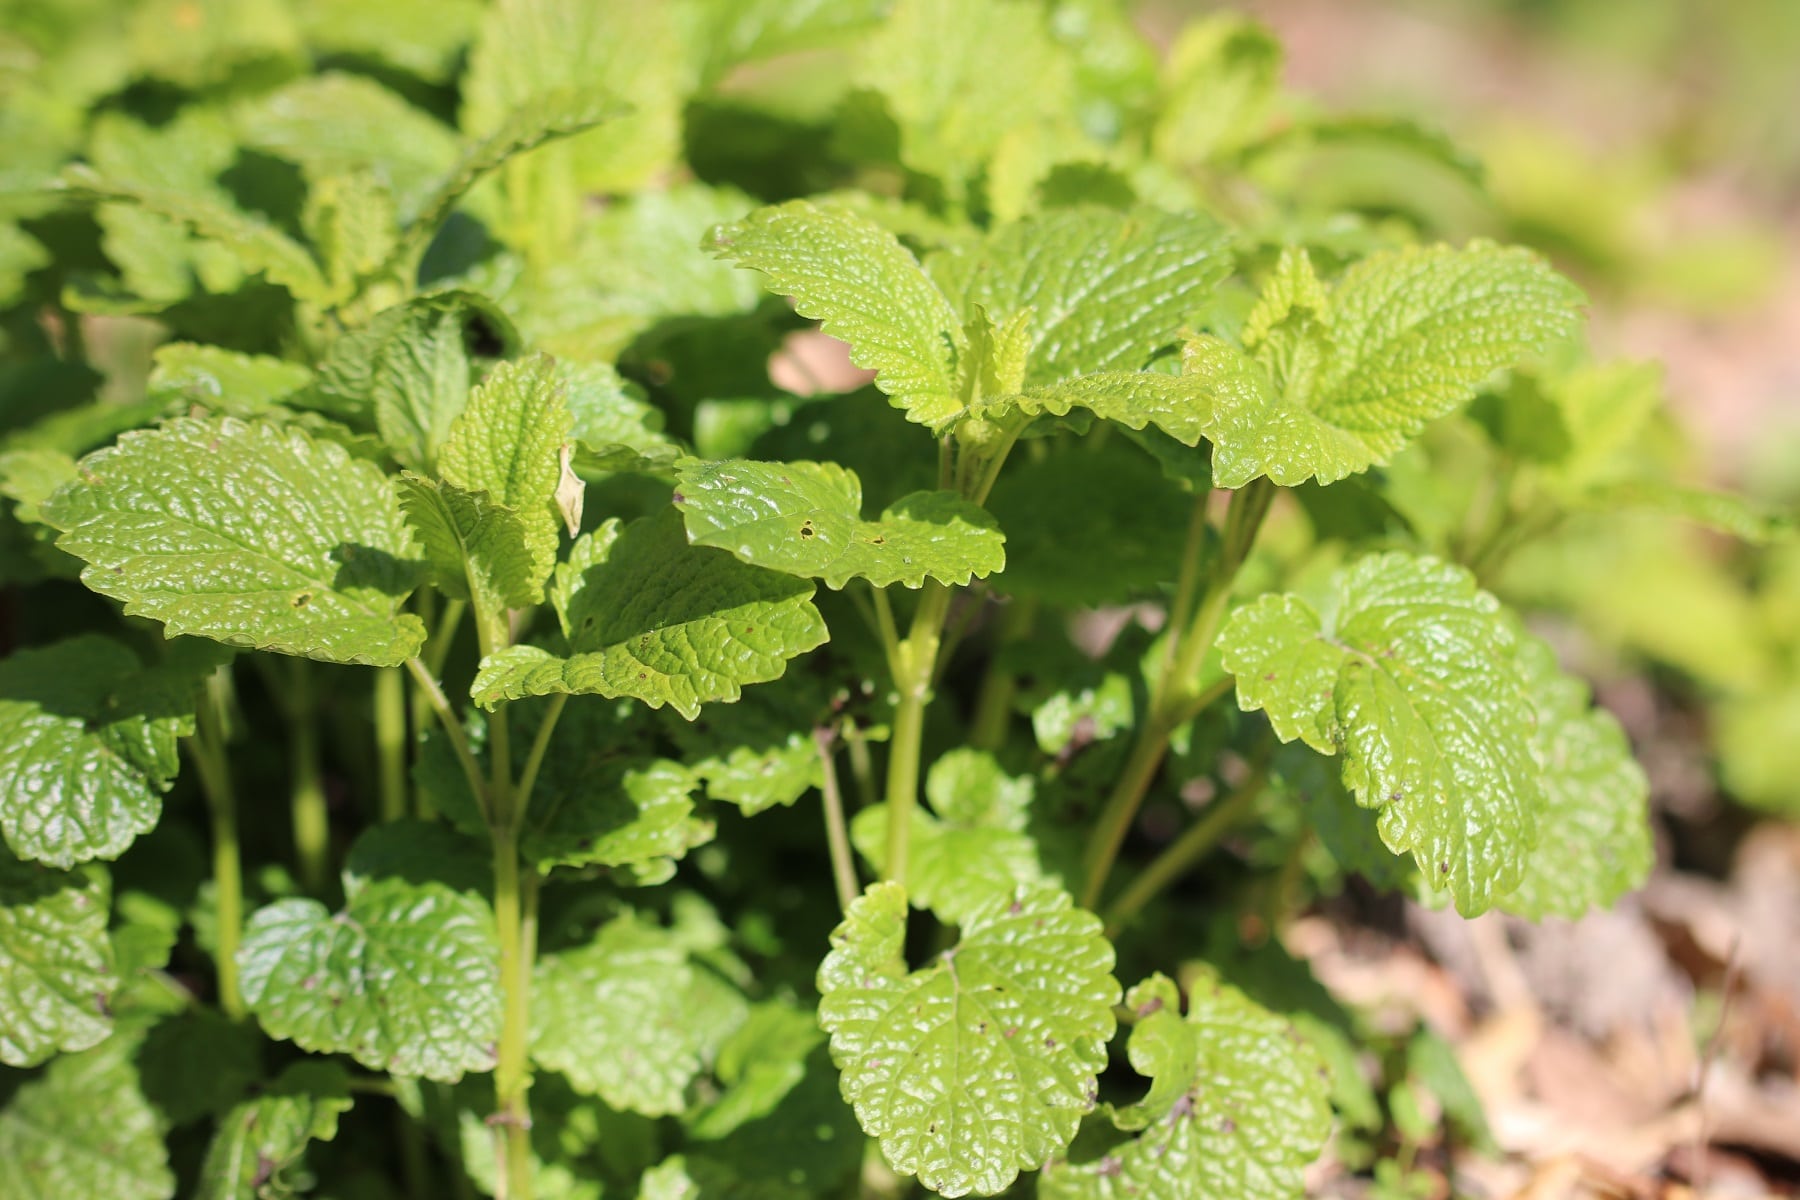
(474, 547)
(669, 1180)
(629, 1018)
(1106, 289)
(508, 443)
(408, 372)
(1334, 384)
(87, 748)
(224, 381)
(261, 1140)
(541, 118)
(56, 963)
(1721, 512)
(257, 245)
(1238, 1104)
(933, 62)
(1409, 671)
(405, 978)
(805, 518)
(664, 622)
(972, 848)
(196, 1063)
(1595, 842)
(1222, 77)
(30, 477)
(778, 1129)
(254, 535)
(865, 288)
(759, 752)
(645, 54)
(352, 224)
(1134, 399)
(1089, 528)
(20, 255)
(83, 1128)
(630, 267)
(979, 1066)
(336, 123)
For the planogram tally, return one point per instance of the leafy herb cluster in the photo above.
(743, 793)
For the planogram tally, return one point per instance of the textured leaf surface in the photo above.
(1333, 384)
(1237, 1106)
(805, 518)
(1134, 399)
(87, 747)
(256, 244)
(222, 380)
(629, 1018)
(1595, 843)
(865, 288)
(1409, 672)
(664, 622)
(971, 849)
(1106, 289)
(252, 534)
(980, 1065)
(404, 979)
(473, 546)
(84, 1128)
(56, 962)
(759, 752)
(508, 444)
(258, 1142)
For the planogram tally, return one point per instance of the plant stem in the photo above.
(1173, 696)
(1185, 851)
(452, 727)
(207, 747)
(915, 661)
(884, 625)
(993, 703)
(515, 913)
(534, 759)
(390, 740)
(862, 766)
(837, 834)
(312, 825)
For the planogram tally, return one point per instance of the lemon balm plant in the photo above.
(466, 729)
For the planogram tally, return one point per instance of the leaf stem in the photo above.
(390, 740)
(916, 660)
(444, 636)
(884, 625)
(312, 824)
(1173, 700)
(534, 759)
(837, 834)
(993, 703)
(862, 765)
(515, 914)
(452, 727)
(207, 748)
(1185, 851)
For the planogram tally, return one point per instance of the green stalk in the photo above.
(515, 912)
(837, 834)
(993, 703)
(1174, 698)
(390, 740)
(312, 824)
(207, 747)
(862, 765)
(915, 662)
(1185, 851)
